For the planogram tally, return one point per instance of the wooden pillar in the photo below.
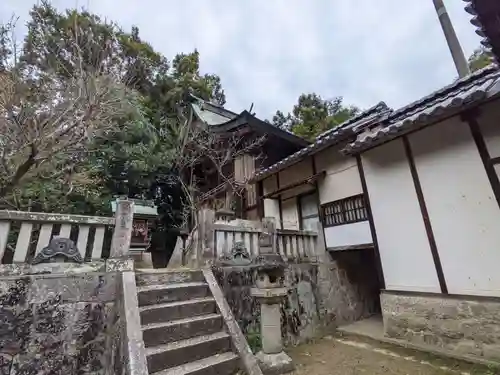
(122, 234)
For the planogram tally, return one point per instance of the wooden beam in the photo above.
(307, 181)
(380, 270)
(425, 216)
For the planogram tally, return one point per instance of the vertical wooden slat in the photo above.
(83, 235)
(230, 240)
(65, 231)
(98, 242)
(23, 242)
(44, 237)
(4, 236)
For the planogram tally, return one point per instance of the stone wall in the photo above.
(467, 326)
(57, 324)
(348, 286)
(321, 296)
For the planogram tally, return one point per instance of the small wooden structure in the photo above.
(145, 213)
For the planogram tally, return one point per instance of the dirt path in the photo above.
(348, 356)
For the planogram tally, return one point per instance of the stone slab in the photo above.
(466, 326)
(275, 364)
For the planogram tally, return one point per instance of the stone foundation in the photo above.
(348, 287)
(56, 324)
(321, 296)
(466, 326)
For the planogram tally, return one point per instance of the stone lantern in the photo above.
(271, 292)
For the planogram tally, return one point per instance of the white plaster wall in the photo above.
(342, 176)
(403, 245)
(489, 121)
(463, 212)
(290, 214)
(348, 234)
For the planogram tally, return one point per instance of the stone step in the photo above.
(163, 333)
(180, 352)
(177, 310)
(163, 277)
(219, 364)
(156, 294)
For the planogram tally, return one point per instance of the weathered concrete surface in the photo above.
(56, 324)
(68, 268)
(274, 364)
(465, 326)
(347, 284)
(249, 362)
(43, 217)
(129, 350)
(122, 234)
(321, 295)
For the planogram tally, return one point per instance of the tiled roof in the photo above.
(340, 133)
(210, 113)
(445, 102)
(486, 18)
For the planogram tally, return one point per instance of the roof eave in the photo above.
(394, 133)
(344, 136)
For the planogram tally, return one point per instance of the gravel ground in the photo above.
(353, 356)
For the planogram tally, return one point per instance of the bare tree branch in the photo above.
(48, 120)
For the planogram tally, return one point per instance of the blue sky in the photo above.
(268, 52)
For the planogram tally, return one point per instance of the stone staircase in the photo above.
(182, 329)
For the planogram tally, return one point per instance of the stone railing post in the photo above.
(205, 248)
(122, 235)
(320, 253)
(268, 236)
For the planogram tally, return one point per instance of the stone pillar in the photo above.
(205, 247)
(267, 239)
(122, 234)
(270, 321)
(270, 292)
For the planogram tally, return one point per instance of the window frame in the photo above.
(349, 210)
(301, 217)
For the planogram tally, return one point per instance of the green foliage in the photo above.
(254, 340)
(141, 150)
(313, 115)
(480, 58)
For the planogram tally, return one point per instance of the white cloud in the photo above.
(269, 52)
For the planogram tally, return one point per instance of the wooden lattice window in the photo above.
(344, 211)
